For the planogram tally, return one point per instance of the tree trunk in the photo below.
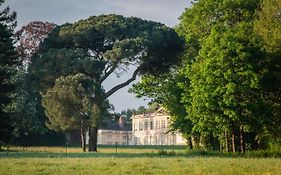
(211, 142)
(93, 137)
(233, 140)
(83, 138)
(190, 143)
(242, 141)
(226, 141)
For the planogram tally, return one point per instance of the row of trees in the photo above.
(226, 93)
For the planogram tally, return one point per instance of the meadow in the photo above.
(131, 160)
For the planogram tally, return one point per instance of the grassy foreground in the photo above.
(152, 165)
(134, 160)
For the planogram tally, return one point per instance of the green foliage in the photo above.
(268, 25)
(101, 45)
(69, 104)
(227, 69)
(165, 90)
(8, 63)
(223, 81)
(23, 107)
(230, 77)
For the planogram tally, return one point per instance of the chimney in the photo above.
(122, 121)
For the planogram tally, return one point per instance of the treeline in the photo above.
(226, 94)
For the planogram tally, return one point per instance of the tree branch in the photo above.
(106, 74)
(119, 86)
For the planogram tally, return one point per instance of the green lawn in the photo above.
(132, 160)
(152, 165)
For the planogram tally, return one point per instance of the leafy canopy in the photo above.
(102, 45)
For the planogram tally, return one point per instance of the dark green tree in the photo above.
(8, 64)
(101, 46)
(70, 106)
(267, 26)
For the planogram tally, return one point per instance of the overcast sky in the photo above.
(62, 11)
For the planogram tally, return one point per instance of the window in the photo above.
(163, 124)
(151, 125)
(145, 125)
(109, 136)
(135, 127)
(140, 126)
(124, 137)
(158, 125)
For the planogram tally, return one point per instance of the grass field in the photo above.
(129, 160)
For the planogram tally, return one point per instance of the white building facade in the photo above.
(112, 133)
(153, 129)
(112, 137)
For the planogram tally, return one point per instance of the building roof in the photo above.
(159, 112)
(108, 124)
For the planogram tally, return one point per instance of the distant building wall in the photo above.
(111, 137)
(153, 129)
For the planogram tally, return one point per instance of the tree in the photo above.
(222, 59)
(103, 45)
(165, 90)
(8, 63)
(268, 27)
(230, 74)
(223, 69)
(24, 109)
(268, 24)
(69, 104)
(30, 37)
(224, 90)
(196, 89)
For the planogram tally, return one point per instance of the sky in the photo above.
(62, 11)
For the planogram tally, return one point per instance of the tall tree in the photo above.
(209, 27)
(101, 46)
(219, 37)
(224, 68)
(224, 89)
(8, 64)
(268, 27)
(69, 104)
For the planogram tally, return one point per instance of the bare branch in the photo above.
(119, 86)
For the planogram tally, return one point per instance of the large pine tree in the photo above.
(8, 62)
